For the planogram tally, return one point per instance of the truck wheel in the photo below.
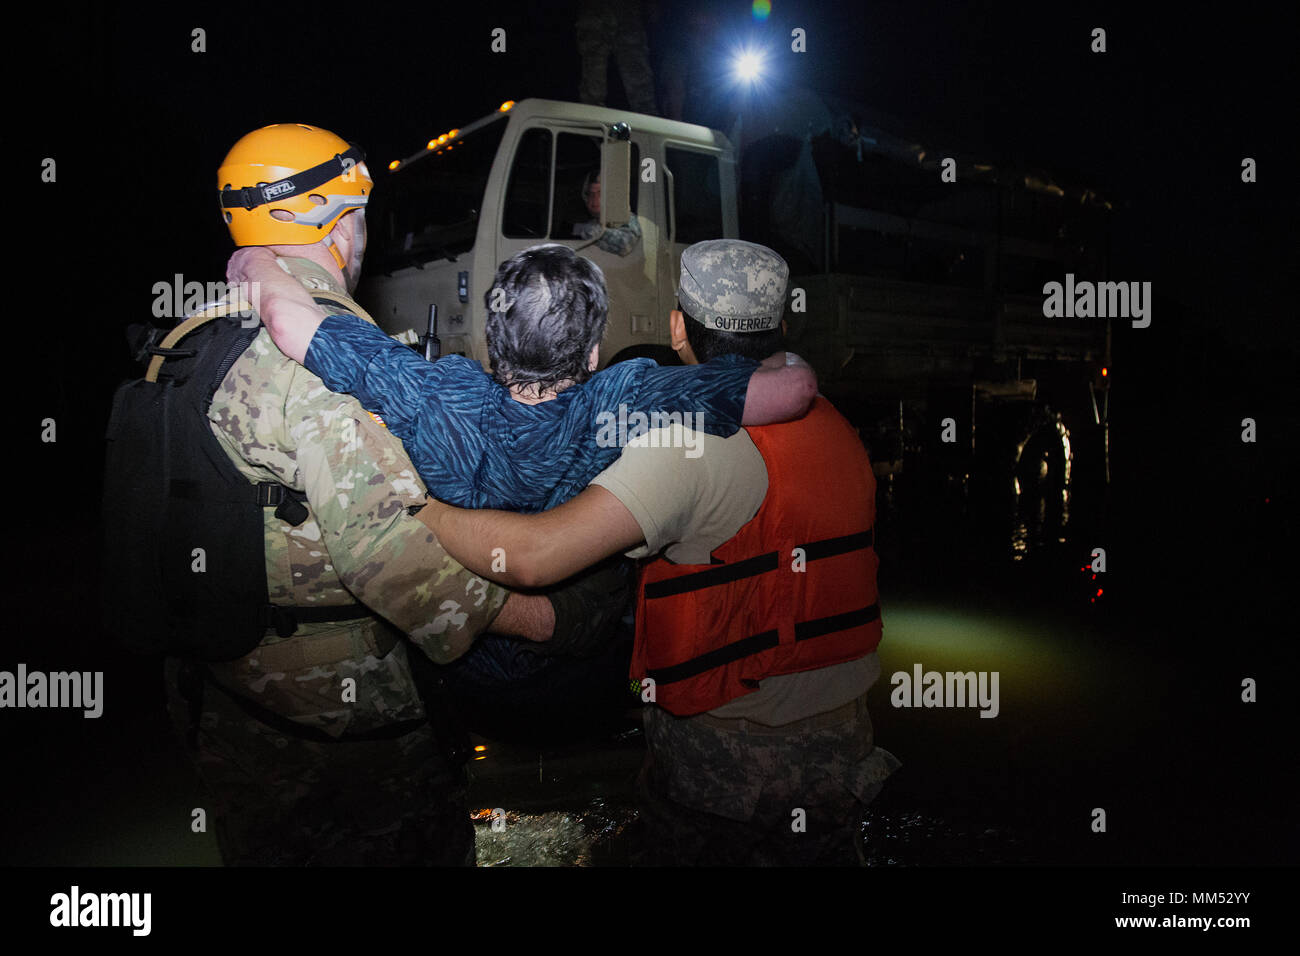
(1042, 474)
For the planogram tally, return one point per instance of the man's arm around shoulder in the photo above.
(533, 551)
(360, 484)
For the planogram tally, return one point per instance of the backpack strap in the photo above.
(185, 328)
(290, 505)
(238, 307)
(323, 297)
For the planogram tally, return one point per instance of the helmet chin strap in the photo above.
(328, 243)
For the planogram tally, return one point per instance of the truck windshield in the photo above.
(429, 209)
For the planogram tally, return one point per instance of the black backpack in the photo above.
(184, 571)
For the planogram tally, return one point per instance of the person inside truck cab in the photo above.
(620, 240)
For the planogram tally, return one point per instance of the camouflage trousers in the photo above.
(274, 799)
(712, 793)
(615, 28)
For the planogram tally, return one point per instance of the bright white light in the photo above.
(748, 66)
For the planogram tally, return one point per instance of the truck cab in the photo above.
(448, 215)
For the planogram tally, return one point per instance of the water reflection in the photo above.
(596, 834)
(917, 839)
(601, 835)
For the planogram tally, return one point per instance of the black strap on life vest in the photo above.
(721, 574)
(756, 643)
(760, 564)
(832, 547)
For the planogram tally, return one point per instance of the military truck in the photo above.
(922, 273)
(917, 299)
(446, 216)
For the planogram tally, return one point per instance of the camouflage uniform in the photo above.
(620, 240)
(615, 28)
(278, 797)
(724, 793)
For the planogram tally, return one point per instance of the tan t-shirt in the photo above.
(690, 493)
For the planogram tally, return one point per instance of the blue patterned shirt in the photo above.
(476, 447)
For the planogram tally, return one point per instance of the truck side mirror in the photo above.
(615, 177)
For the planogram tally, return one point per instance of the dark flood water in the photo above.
(1116, 692)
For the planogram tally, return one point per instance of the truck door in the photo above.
(551, 191)
(424, 237)
(700, 189)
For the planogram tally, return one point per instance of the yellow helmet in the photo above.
(290, 184)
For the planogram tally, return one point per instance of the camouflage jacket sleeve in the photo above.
(622, 240)
(279, 421)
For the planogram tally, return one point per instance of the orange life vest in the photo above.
(793, 590)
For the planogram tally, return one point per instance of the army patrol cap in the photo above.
(733, 286)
